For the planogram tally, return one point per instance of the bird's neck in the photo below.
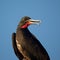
(23, 31)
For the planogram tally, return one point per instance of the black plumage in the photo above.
(18, 54)
(25, 44)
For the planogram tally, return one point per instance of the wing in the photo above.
(18, 54)
(35, 49)
(39, 50)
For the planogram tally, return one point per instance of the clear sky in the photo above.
(48, 32)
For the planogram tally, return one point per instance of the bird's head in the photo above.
(26, 21)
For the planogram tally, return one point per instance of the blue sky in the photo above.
(48, 32)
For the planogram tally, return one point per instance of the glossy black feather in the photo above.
(18, 54)
(31, 45)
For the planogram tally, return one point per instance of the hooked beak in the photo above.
(32, 21)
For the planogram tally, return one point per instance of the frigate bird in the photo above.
(26, 46)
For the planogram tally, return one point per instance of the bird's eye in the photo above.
(26, 21)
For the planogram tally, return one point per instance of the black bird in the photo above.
(25, 44)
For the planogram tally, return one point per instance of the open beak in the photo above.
(31, 21)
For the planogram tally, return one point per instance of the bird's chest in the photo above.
(23, 43)
(24, 39)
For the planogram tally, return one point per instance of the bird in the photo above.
(25, 45)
